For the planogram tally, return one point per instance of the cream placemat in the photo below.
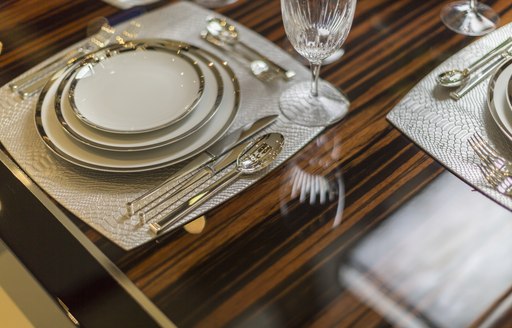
(98, 198)
(442, 126)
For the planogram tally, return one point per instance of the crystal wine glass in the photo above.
(469, 17)
(316, 29)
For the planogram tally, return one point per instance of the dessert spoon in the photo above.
(228, 34)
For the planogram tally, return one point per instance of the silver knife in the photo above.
(211, 154)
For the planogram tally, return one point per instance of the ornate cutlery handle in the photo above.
(285, 74)
(186, 208)
(244, 56)
(221, 47)
(490, 55)
(152, 194)
(205, 172)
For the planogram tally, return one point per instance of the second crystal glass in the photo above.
(469, 17)
(316, 29)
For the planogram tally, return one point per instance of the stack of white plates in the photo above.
(138, 106)
(499, 98)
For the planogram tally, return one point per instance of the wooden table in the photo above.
(264, 259)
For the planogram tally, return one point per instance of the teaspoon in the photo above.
(227, 33)
(259, 68)
(455, 77)
(252, 159)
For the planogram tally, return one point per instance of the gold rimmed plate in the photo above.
(78, 153)
(206, 108)
(135, 88)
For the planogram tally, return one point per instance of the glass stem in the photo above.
(315, 71)
(472, 5)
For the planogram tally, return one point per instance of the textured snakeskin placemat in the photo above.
(98, 198)
(442, 126)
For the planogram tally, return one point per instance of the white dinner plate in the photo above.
(497, 98)
(78, 153)
(136, 89)
(84, 133)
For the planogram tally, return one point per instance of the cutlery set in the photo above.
(253, 158)
(467, 79)
(224, 37)
(220, 155)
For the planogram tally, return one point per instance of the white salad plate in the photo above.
(497, 98)
(136, 89)
(206, 108)
(70, 149)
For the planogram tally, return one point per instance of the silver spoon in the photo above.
(455, 77)
(252, 159)
(227, 33)
(259, 68)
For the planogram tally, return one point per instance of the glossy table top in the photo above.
(397, 241)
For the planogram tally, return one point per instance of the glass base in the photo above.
(461, 18)
(299, 106)
(214, 3)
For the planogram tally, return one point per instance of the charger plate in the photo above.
(497, 98)
(509, 94)
(135, 88)
(78, 153)
(206, 108)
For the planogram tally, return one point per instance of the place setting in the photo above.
(172, 101)
(146, 125)
(461, 113)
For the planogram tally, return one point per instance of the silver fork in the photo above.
(100, 39)
(501, 182)
(489, 156)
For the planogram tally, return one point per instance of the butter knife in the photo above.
(218, 149)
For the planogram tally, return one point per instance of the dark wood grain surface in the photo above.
(264, 258)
